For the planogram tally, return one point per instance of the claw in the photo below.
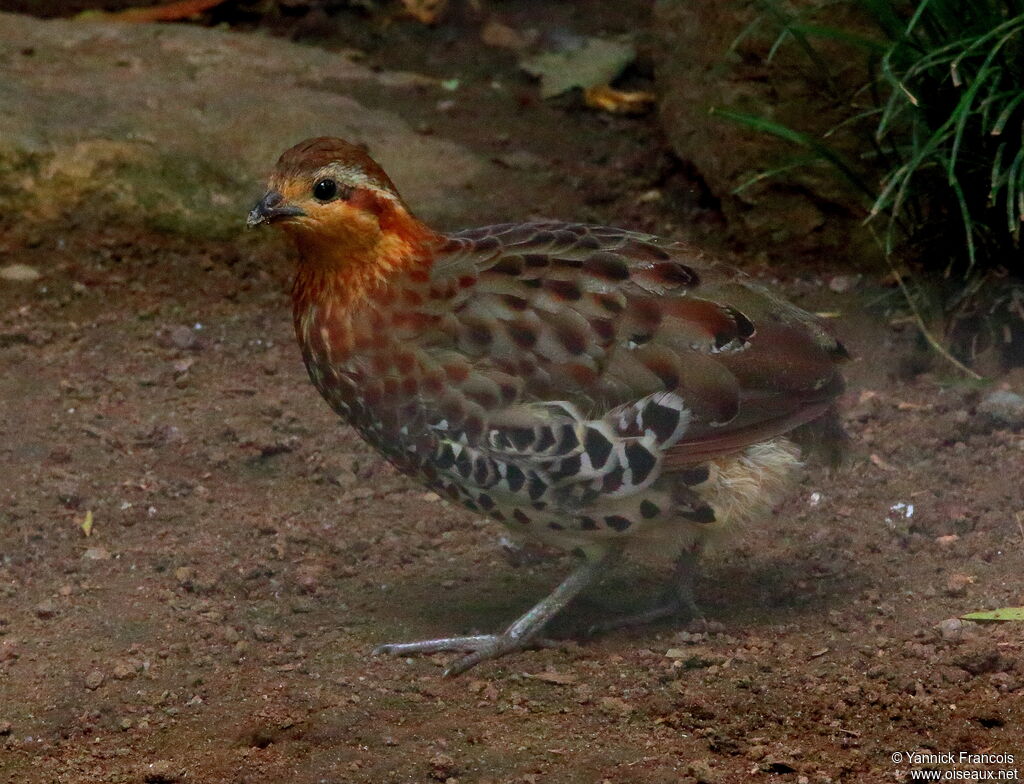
(481, 647)
(439, 645)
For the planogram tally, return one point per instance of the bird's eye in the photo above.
(325, 190)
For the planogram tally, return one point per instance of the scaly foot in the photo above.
(520, 635)
(480, 647)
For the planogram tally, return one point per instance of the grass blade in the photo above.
(796, 137)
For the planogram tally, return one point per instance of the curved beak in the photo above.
(271, 208)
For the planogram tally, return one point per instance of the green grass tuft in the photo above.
(943, 136)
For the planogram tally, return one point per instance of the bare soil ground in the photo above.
(248, 550)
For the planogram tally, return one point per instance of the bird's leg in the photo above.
(682, 581)
(678, 600)
(520, 635)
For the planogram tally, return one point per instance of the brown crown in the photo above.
(309, 156)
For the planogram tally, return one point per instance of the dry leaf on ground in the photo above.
(608, 99)
(166, 12)
(596, 61)
(426, 11)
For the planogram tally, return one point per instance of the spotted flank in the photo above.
(547, 466)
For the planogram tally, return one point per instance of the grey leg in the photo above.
(521, 634)
(682, 582)
(677, 602)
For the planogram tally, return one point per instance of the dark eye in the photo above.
(325, 190)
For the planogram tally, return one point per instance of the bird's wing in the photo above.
(600, 354)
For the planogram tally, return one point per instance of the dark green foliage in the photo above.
(941, 123)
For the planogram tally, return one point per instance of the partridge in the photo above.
(595, 389)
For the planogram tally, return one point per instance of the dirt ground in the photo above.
(247, 550)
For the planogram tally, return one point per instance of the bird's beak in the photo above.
(271, 208)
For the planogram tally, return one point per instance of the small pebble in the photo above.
(442, 767)
(264, 634)
(840, 284)
(957, 583)
(521, 160)
(615, 706)
(124, 670)
(951, 629)
(702, 771)
(94, 680)
(9, 649)
(1004, 406)
(69, 494)
(184, 338)
(20, 273)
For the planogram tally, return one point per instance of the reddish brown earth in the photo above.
(248, 550)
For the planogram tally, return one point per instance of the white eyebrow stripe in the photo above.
(351, 175)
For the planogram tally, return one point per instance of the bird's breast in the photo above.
(358, 362)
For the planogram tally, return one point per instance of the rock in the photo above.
(94, 680)
(96, 554)
(951, 629)
(177, 126)
(1004, 406)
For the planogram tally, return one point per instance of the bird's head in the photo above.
(335, 202)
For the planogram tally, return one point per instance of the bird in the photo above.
(597, 390)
